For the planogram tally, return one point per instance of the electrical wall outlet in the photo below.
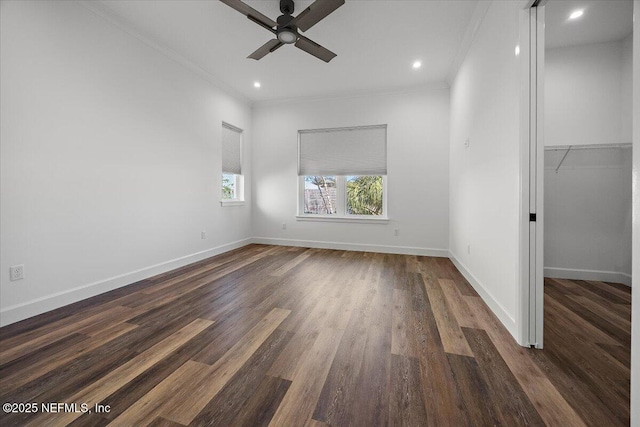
(466, 143)
(396, 231)
(284, 225)
(203, 234)
(16, 272)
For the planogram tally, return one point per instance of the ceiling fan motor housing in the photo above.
(286, 7)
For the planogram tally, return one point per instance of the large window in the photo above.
(232, 181)
(343, 173)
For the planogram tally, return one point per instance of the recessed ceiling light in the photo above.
(576, 14)
(417, 64)
(257, 85)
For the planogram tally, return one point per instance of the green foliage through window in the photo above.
(228, 186)
(364, 195)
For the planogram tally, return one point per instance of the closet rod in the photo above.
(586, 147)
(563, 157)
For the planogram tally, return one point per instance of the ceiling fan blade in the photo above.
(268, 47)
(315, 13)
(315, 49)
(251, 13)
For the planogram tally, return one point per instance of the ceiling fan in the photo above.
(286, 27)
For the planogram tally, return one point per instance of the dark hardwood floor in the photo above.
(286, 336)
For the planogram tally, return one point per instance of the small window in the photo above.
(232, 191)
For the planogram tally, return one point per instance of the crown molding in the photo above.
(120, 22)
(431, 86)
(477, 17)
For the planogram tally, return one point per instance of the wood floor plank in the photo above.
(300, 400)
(614, 317)
(173, 390)
(21, 345)
(606, 292)
(95, 392)
(340, 388)
(295, 352)
(550, 404)
(400, 332)
(364, 351)
(511, 404)
(619, 352)
(163, 422)
(563, 316)
(41, 365)
(589, 404)
(247, 394)
(604, 324)
(577, 288)
(464, 287)
(291, 264)
(464, 317)
(443, 401)
(406, 405)
(474, 390)
(259, 409)
(183, 404)
(452, 337)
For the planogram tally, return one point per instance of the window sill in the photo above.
(225, 203)
(355, 219)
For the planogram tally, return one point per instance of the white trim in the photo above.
(507, 320)
(596, 275)
(411, 89)
(361, 247)
(335, 218)
(231, 202)
(22, 311)
(108, 15)
(467, 39)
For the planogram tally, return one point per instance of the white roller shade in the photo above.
(345, 151)
(231, 150)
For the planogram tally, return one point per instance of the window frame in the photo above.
(341, 214)
(238, 184)
(238, 190)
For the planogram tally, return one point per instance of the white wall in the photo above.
(417, 139)
(587, 94)
(635, 303)
(110, 157)
(587, 207)
(484, 178)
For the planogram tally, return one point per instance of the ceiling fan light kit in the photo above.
(287, 35)
(286, 27)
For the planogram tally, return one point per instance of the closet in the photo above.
(587, 202)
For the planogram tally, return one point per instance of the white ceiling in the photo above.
(603, 21)
(376, 43)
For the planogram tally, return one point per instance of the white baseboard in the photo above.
(41, 305)
(401, 250)
(596, 275)
(497, 308)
